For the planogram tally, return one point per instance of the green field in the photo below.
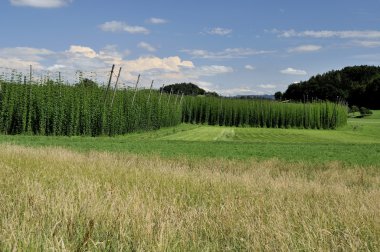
(357, 143)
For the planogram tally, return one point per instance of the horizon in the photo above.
(239, 48)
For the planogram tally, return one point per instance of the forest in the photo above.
(357, 85)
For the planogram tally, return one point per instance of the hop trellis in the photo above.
(263, 113)
(49, 103)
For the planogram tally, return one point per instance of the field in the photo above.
(358, 143)
(194, 188)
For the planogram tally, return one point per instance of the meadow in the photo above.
(357, 143)
(194, 188)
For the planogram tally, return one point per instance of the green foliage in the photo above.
(263, 113)
(354, 109)
(187, 89)
(364, 111)
(82, 109)
(358, 85)
(52, 108)
(278, 96)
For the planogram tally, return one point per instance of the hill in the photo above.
(358, 85)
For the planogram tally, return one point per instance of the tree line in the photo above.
(357, 85)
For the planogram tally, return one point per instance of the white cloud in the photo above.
(242, 90)
(229, 53)
(146, 46)
(154, 20)
(96, 64)
(211, 70)
(292, 71)
(118, 26)
(41, 3)
(305, 48)
(23, 57)
(367, 43)
(219, 31)
(249, 67)
(56, 67)
(26, 53)
(267, 86)
(82, 51)
(364, 34)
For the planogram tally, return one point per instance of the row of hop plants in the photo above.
(263, 113)
(54, 108)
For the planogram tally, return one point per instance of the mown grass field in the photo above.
(194, 188)
(358, 143)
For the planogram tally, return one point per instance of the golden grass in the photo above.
(55, 199)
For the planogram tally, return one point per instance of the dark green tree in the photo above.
(278, 96)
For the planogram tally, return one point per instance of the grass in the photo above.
(358, 143)
(57, 199)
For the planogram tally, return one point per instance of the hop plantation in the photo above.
(263, 113)
(53, 108)
(56, 109)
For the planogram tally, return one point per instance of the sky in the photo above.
(241, 47)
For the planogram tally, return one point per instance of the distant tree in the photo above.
(364, 111)
(87, 83)
(354, 109)
(212, 94)
(184, 88)
(278, 96)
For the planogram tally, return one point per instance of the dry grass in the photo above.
(55, 199)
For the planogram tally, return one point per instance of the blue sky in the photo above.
(231, 47)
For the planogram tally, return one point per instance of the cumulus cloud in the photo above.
(98, 62)
(249, 67)
(154, 20)
(364, 34)
(219, 31)
(146, 46)
(292, 71)
(82, 51)
(118, 26)
(41, 3)
(229, 53)
(305, 48)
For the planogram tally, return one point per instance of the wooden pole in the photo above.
(115, 88)
(180, 101)
(30, 74)
(176, 98)
(170, 94)
(162, 90)
(150, 91)
(108, 86)
(134, 95)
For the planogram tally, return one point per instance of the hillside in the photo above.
(358, 85)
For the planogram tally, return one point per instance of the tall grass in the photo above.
(263, 113)
(54, 199)
(56, 109)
